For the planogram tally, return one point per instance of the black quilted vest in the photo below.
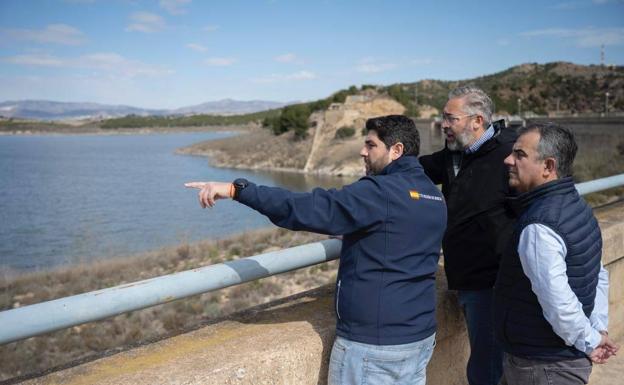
(519, 320)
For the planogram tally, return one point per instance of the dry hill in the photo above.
(331, 145)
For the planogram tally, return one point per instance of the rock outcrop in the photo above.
(330, 155)
(321, 153)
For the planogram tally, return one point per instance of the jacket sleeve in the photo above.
(434, 165)
(361, 205)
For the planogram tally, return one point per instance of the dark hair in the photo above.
(392, 129)
(555, 142)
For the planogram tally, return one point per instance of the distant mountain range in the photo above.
(50, 110)
(557, 87)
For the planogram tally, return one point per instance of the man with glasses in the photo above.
(475, 183)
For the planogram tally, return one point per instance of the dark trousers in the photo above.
(522, 371)
(485, 365)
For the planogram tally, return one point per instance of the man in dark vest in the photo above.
(475, 184)
(551, 293)
(392, 222)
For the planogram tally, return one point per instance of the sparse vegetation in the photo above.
(135, 121)
(19, 125)
(405, 95)
(344, 132)
(295, 117)
(53, 349)
(543, 88)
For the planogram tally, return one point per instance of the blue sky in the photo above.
(174, 53)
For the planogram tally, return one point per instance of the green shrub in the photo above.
(344, 132)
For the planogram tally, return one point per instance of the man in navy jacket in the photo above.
(392, 222)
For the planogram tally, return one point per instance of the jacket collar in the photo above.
(404, 163)
(489, 144)
(486, 146)
(555, 187)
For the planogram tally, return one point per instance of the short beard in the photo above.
(461, 141)
(374, 169)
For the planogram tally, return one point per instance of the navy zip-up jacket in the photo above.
(392, 225)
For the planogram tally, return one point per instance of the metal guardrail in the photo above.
(28, 321)
(600, 184)
(32, 320)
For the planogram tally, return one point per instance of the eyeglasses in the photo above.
(454, 119)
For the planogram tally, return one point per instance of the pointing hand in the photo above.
(209, 192)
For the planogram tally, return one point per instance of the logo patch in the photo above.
(416, 195)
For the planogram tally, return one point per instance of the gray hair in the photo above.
(477, 102)
(555, 142)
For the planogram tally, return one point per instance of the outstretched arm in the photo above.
(334, 212)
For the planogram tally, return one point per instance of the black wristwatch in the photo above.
(239, 185)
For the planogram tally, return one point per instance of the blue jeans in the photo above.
(354, 363)
(485, 365)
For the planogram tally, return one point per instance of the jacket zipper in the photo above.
(338, 300)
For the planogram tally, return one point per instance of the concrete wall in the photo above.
(288, 342)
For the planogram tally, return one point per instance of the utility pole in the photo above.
(602, 62)
(606, 103)
(519, 106)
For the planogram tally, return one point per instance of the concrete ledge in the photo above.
(289, 341)
(611, 220)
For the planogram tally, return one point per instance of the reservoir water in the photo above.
(73, 198)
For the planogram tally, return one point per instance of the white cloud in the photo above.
(53, 33)
(220, 61)
(371, 65)
(423, 61)
(146, 22)
(583, 37)
(297, 76)
(34, 60)
(196, 47)
(107, 62)
(174, 7)
(112, 62)
(210, 28)
(286, 58)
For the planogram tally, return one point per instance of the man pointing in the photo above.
(392, 222)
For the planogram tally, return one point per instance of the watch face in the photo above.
(240, 183)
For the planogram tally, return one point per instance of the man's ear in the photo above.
(550, 167)
(396, 150)
(478, 119)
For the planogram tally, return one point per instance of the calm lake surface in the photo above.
(73, 198)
